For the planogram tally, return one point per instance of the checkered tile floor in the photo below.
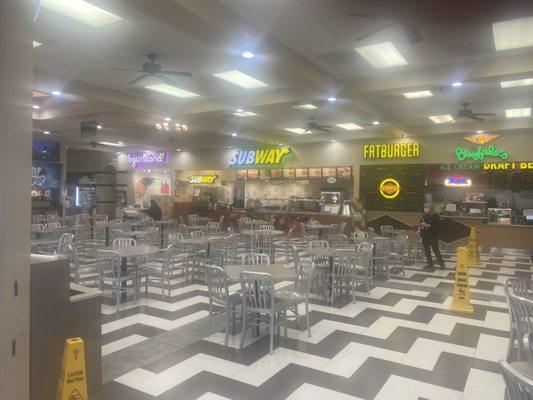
(399, 342)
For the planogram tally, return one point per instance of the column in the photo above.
(16, 85)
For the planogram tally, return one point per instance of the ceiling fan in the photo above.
(150, 68)
(410, 29)
(313, 126)
(466, 112)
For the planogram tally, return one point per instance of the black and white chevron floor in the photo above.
(400, 342)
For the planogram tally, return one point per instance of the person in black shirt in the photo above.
(154, 211)
(429, 232)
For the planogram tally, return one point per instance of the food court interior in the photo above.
(236, 199)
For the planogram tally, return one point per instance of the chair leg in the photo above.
(285, 322)
(228, 323)
(243, 329)
(511, 344)
(307, 318)
(272, 333)
(297, 316)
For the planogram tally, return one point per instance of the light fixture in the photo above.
(518, 82)
(112, 144)
(280, 144)
(240, 79)
(81, 11)
(56, 92)
(296, 130)
(178, 149)
(35, 107)
(513, 34)
(305, 107)
(171, 90)
(172, 128)
(229, 147)
(36, 44)
(239, 110)
(168, 119)
(517, 112)
(248, 54)
(98, 126)
(441, 119)
(457, 84)
(332, 99)
(46, 132)
(382, 55)
(349, 126)
(375, 123)
(332, 140)
(402, 135)
(479, 131)
(120, 142)
(416, 95)
(245, 114)
(234, 134)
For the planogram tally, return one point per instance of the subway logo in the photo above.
(259, 157)
(203, 179)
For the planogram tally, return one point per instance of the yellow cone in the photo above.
(73, 377)
(473, 248)
(461, 290)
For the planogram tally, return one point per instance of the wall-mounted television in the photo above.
(44, 150)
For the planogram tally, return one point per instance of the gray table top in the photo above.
(198, 240)
(322, 251)
(134, 251)
(133, 233)
(252, 232)
(278, 271)
(318, 226)
(524, 367)
(43, 242)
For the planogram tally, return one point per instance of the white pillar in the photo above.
(16, 84)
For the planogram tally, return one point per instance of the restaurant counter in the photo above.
(456, 229)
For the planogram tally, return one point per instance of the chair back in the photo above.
(360, 236)
(262, 242)
(193, 219)
(522, 311)
(108, 263)
(266, 227)
(218, 251)
(174, 237)
(39, 219)
(116, 223)
(295, 254)
(318, 244)
(304, 277)
(342, 228)
(213, 227)
(364, 252)
(303, 229)
(124, 242)
(257, 289)
(65, 240)
(398, 243)
(37, 227)
(314, 222)
(245, 224)
(334, 229)
(221, 222)
(217, 285)
(197, 234)
(386, 230)
(70, 220)
(338, 241)
(256, 259)
(381, 247)
(519, 387)
(233, 247)
(344, 261)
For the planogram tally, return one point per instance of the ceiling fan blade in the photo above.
(126, 70)
(139, 78)
(322, 129)
(484, 114)
(168, 81)
(475, 118)
(324, 126)
(177, 73)
(373, 32)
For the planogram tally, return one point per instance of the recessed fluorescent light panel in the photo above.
(382, 55)
(518, 82)
(518, 112)
(349, 126)
(81, 11)
(36, 44)
(119, 144)
(416, 95)
(171, 90)
(296, 130)
(241, 79)
(244, 114)
(305, 107)
(513, 34)
(441, 119)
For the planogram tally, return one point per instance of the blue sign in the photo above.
(44, 150)
(45, 176)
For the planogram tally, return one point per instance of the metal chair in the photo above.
(256, 259)
(174, 237)
(521, 309)
(36, 230)
(66, 239)
(197, 234)
(363, 265)
(360, 236)
(342, 228)
(334, 229)
(266, 227)
(300, 293)
(220, 296)
(151, 236)
(322, 267)
(124, 242)
(218, 252)
(386, 230)
(396, 257)
(380, 259)
(338, 241)
(173, 259)
(110, 272)
(221, 222)
(520, 287)
(264, 243)
(194, 220)
(260, 305)
(101, 227)
(519, 387)
(39, 219)
(213, 228)
(343, 274)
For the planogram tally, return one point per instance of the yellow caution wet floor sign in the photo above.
(461, 290)
(473, 248)
(73, 377)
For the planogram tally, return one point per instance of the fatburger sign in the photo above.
(389, 188)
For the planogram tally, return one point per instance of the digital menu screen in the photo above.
(44, 150)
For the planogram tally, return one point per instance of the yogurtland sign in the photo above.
(143, 159)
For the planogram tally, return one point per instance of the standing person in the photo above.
(429, 231)
(154, 211)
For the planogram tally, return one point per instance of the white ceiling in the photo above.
(304, 51)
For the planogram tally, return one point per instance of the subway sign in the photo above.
(260, 158)
(203, 179)
(393, 150)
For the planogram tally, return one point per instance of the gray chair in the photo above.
(218, 252)
(256, 259)
(521, 309)
(66, 239)
(363, 265)
(322, 267)
(338, 241)
(260, 305)
(264, 243)
(397, 255)
(300, 293)
(519, 387)
(124, 242)
(110, 272)
(220, 296)
(386, 230)
(380, 259)
(520, 287)
(360, 236)
(343, 274)
(161, 273)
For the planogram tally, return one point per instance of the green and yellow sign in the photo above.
(203, 179)
(480, 152)
(259, 158)
(389, 188)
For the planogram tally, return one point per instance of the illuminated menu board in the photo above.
(393, 187)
